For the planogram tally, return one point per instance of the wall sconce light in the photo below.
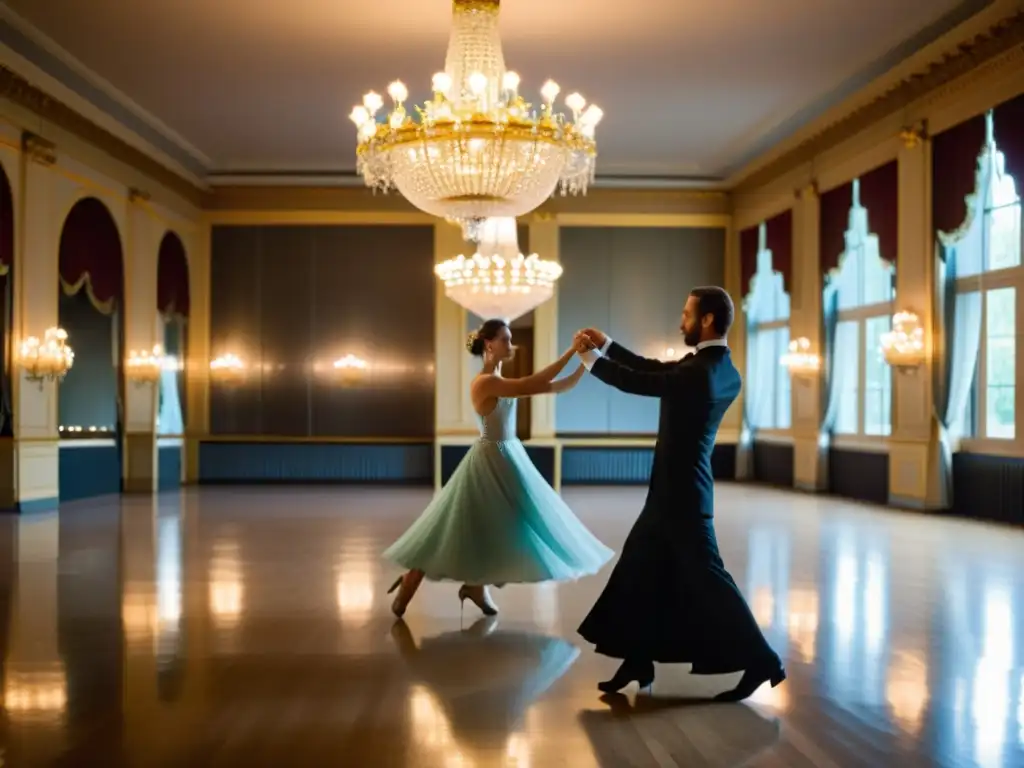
(49, 359)
(146, 367)
(903, 346)
(229, 368)
(800, 361)
(351, 368)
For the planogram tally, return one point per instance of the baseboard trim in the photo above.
(35, 506)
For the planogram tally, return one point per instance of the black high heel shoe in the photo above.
(640, 671)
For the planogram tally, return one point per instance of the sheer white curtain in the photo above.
(959, 329)
(169, 420)
(832, 375)
(760, 375)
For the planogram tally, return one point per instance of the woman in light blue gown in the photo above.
(497, 521)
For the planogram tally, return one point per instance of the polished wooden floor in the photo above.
(250, 627)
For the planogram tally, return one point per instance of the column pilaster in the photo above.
(32, 459)
(197, 363)
(544, 240)
(805, 321)
(142, 331)
(913, 453)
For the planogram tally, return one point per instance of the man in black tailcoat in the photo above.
(670, 598)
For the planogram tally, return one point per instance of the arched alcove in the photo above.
(91, 400)
(173, 304)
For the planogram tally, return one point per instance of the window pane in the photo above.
(1004, 237)
(847, 361)
(783, 416)
(1000, 363)
(760, 387)
(877, 378)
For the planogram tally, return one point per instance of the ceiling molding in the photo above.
(21, 92)
(922, 81)
(44, 54)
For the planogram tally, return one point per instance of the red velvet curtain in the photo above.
(172, 277)
(1008, 127)
(779, 240)
(880, 194)
(748, 257)
(834, 221)
(90, 254)
(954, 171)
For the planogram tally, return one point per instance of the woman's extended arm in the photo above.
(570, 381)
(538, 383)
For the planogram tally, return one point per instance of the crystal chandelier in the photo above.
(477, 149)
(498, 280)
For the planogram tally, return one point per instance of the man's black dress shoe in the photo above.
(628, 671)
(752, 680)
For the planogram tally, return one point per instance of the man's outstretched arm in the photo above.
(668, 380)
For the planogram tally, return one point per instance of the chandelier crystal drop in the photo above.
(498, 281)
(477, 149)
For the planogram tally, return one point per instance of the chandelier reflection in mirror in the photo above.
(477, 149)
(498, 280)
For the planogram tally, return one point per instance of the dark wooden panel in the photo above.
(988, 487)
(292, 300)
(87, 471)
(860, 475)
(613, 465)
(286, 463)
(773, 464)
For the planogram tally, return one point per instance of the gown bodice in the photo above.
(500, 423)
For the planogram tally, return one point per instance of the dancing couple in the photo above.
(669, 598)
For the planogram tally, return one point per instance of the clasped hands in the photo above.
(587, 339)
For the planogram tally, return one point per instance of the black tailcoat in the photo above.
(670, 598)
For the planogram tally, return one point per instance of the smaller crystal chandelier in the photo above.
(903, 346)
(49, 359)
(800, 360)
(498, 281)
(146, 367)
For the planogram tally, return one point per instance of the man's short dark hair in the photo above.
(715, 301)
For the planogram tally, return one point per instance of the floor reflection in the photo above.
(475, 688)
(227, 627)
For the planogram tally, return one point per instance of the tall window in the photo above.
(768, 383)
(989, 265)
(866, 290)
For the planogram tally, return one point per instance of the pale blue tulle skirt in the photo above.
(497, 521)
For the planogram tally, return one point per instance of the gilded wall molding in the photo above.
(913, 136)
(20, 91)
(1003, 41)
(37, 149)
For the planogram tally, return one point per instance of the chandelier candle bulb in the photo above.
(476, 150)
